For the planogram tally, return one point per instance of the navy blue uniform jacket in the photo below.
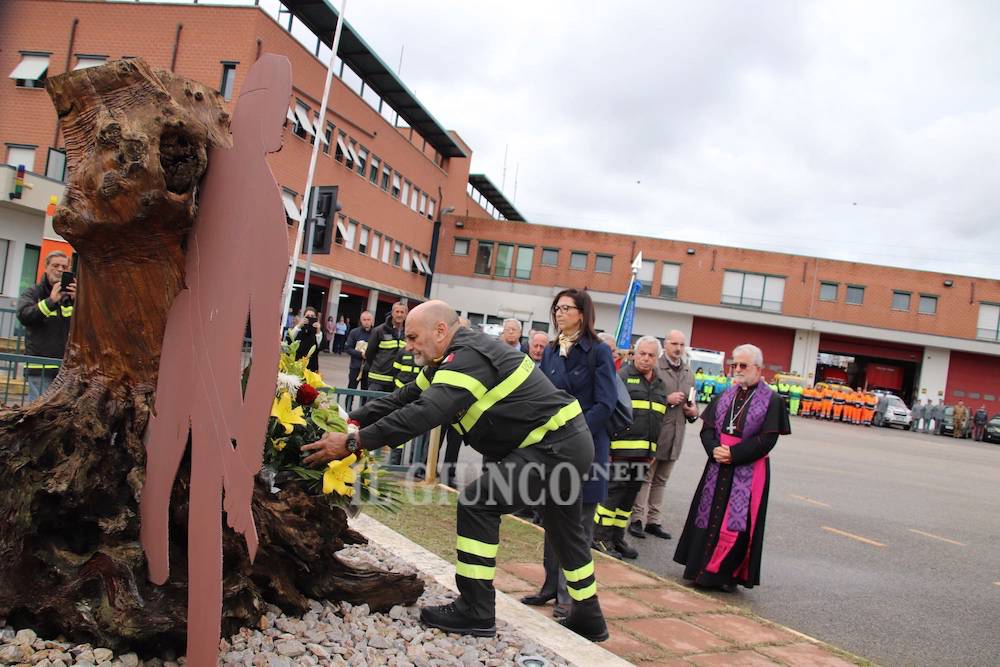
(598, 395)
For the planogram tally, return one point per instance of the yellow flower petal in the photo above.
(286, 415)
(313, 379)
(338, 475)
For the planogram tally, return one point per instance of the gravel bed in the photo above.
(328, 634)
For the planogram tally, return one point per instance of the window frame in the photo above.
(847, 293)
(509, 270)
(374, 168)
(228, 67)
(480, 244)
(598, 257)
(586, 260)
(836, 291)
(297, 128)
(663, 285)
(468, 246)
(48, 163)
(26, 147)
(901, 293)
(517, 262)
(743, 298)
(646, 288)
(542, 261)
(920, 302)
(364, 237)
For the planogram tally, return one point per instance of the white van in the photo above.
(709, 361)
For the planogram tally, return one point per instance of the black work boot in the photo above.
(635, 530)
(606, 547)
(622, 547)
(587, 620)
(447, 617)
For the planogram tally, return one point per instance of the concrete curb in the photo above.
(538, 628)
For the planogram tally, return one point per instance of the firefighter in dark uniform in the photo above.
(405, 368)
(536, 448)
(45, 311)
(384, 346)
(632, 449)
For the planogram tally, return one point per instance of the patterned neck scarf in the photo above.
(566, 342)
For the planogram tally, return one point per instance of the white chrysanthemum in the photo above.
(289, 383)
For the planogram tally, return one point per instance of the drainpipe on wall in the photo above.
(177, 43)
(69, 58)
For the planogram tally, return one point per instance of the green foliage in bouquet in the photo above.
(304, 409)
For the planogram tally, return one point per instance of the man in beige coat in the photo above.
(647, 512)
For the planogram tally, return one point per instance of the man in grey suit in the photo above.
(648, 508)
(918, 417)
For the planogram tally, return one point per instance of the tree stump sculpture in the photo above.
(73, 462)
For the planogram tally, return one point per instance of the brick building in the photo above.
(415, 220)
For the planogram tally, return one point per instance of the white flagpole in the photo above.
(294, 260)
(636, 265)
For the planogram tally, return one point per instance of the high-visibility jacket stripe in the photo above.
(477, 548)
(404, 369)
(633, 444)
(475, 571)
(42, 366)
(422, 380)
(399, 383)
(391, 344)
(46, 311)
(557, 421)
(462, 381)
(582, 594)
(580, 573)
(497, 393)
(379, 377)
(67, 311)
(649, 405)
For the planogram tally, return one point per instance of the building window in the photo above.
(900, 300)
(376, 241)
(86, 62)
(753, 290)
(340, 150)
(578, 260)
(386, 249)
(397, 253)
(927, 305)
(430, 209)
(55, 165)
(352, 155)
(340, 230)
(362, 161)
(828, 291)
(395, 185)
(291, 208)
(602, 263)
(504, 260)
(525, 258)
(646, 277)
(30, 72)
(4, 251)
(406, 192)
(363, 240)
(407, 264)
(327, 138)
(855, 295)
(484, 257)
(423, 203)
(461, 247)
(302, 127)
(21, 154)
(988, 327)
(352, 232)
(228, 80)
(669, 279)
(29, 266)
(540, 326)
(550, 257)
(374, 169)
(414, 196)
(475, 319)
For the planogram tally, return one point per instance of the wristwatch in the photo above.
(352, 442)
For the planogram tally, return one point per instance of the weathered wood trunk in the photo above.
(72, 463)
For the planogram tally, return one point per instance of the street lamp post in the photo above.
(435, 238)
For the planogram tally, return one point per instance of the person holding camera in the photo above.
(45, 310)
(309, 334)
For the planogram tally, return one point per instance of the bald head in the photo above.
(429, 330)
(674, 345)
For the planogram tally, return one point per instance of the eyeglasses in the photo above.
(740, 365)
(563, 309)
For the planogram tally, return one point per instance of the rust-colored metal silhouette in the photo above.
(236, 263)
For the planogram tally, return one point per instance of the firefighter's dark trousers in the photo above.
(613, 515)
(548, 474)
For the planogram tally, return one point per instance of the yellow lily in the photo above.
(315, 380)
(286, 415)
(338, 475)
(278, 443)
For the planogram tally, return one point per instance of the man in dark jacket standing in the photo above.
(357, 335)
(386, 340)
(45, 311)
(679, 381)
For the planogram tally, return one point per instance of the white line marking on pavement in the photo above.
(806, 499)
(853, 536)
(936, 537)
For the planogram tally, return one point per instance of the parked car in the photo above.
(896, 413)
(948, 423)
(992, 432)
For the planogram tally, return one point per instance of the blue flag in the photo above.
(626, 315)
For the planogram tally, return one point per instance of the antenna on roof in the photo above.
(503, 174)
(517, 168)
(399, 70)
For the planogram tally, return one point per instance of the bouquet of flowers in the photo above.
(304, 409)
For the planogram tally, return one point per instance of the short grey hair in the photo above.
(649, 339)
(510, 320)
(754, 352)
(52, 255)
(608, 340)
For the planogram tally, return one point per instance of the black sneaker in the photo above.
(447, 617)
(625, 549)
(606, 548)
(635, 530)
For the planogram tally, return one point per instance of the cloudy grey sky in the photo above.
(866, 131)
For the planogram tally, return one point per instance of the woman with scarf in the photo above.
(580, 364)
(723, 538)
